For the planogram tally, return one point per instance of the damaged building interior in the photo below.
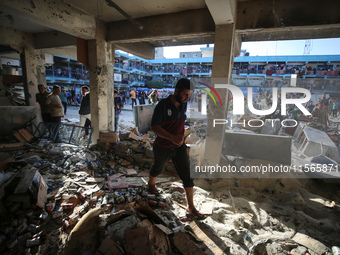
(90, 196)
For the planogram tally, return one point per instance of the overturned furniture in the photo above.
(66, 133)
(311, 142)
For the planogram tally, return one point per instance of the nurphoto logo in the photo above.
(239, 98)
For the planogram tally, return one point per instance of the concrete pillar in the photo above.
(2, 87)
(29, 73)
(40, 65)
(101, 82)
(221, 73)
(33, 70)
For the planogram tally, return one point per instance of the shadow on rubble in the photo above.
(137, 229)
(278, 215)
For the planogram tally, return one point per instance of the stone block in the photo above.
(137, 157)
(121, 148)
(147, 161)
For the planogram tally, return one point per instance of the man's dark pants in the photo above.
(180, 159)
(133, 102)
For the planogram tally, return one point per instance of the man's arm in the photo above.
(54, 106)
(161, 132)
(48, 104)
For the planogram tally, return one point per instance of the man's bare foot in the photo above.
(153, 190)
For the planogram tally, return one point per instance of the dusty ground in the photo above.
(273, 209)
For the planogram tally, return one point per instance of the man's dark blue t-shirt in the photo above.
(310, 107)
(170, 119)
(118, 102)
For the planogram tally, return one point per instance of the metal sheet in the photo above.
(143, 115)
(258, 146)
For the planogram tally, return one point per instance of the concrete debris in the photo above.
(296, 141)
(63, 199)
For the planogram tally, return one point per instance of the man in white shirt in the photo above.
(54, 103)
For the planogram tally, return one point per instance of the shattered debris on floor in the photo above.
(63, 199)
(59, 198)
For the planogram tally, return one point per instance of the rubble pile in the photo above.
(51, 190)
(14, 95)
(79, 200)
(60, 198)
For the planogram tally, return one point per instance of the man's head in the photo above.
(41, 88)
(84, 89)
(56, 90)
(62, 89)
(115, 93)
(182, 90)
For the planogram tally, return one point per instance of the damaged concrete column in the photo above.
(33, 70)
(2, 87)
(221, 73)
(101, 82)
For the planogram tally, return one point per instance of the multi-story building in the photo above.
(319, 73)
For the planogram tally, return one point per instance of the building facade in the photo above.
(318, 73)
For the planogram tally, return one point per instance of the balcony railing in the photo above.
(66, 74)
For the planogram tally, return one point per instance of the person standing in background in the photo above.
(69, 97)
(122, 95)
(53, 102)
(336, 105)
(141, 97)
(153, 97)
(133, 97)
(63, 98)
(321, 112)
(85, 110)
(41, 98)
(310, 106)
(73, 95)
(118, 108)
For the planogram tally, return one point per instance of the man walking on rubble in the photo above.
(168, 124)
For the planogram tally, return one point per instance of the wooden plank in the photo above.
(185, 245)
(19, 137)
(26, 134)
(213, 242)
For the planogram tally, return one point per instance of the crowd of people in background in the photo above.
(321, 109)
(142, 96)
(54, 103)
